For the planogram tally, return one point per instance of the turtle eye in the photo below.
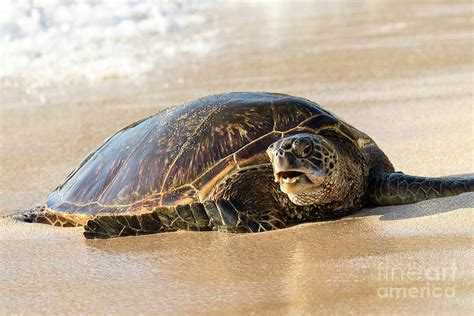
(307, 150)
(286, 144)
(303, 147)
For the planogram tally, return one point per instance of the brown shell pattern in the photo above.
(176, 155)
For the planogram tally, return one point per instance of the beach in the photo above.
(402, 72)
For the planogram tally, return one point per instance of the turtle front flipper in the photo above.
(398, 188)
(219, 215)
(227, 217)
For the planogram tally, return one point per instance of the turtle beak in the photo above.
(294, 175)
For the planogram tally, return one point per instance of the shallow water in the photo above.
(405, 79)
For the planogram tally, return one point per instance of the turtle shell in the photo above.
(178, 155)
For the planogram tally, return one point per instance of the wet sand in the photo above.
(401, 72)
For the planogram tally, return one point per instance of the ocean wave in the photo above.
(67, 41)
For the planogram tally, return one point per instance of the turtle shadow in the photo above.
(420, 209)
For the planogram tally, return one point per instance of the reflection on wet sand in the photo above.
(308, 268)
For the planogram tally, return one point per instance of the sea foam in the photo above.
(44, 42)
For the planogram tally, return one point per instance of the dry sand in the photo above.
(401, 72)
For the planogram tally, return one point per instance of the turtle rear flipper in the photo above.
(398, 188)
(43, 215)
(219, 215)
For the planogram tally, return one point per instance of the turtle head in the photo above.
(305, 165)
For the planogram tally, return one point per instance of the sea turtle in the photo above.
(234, 162)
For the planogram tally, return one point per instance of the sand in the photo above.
(401, 72)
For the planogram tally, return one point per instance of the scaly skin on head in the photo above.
(312, 169)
